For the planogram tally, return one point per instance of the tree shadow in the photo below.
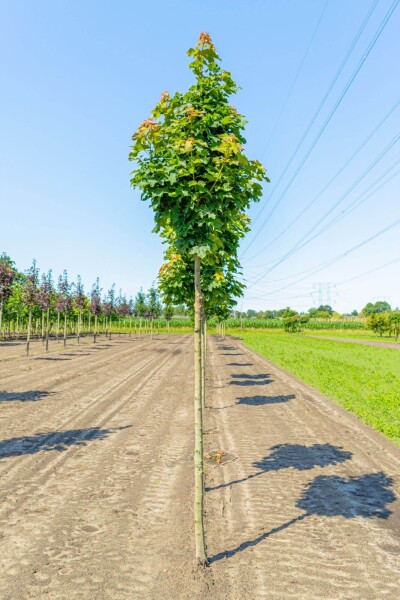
(296, 456)
(366, 496)
(30, 396)
(232, 353)
(264, 400)
(226, 347)
(237, 364)
(246, 380)
(56, 440)
(49, 358)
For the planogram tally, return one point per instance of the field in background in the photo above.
(363, 379)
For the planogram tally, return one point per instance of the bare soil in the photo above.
(382, 344)
(96, 480)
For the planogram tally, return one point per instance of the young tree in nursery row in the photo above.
(7, 276)
(191, 167)
(80, 302)
(30, 297)
(95, 305)
(63, 302)
(45, 297)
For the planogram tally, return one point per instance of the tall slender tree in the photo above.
(30, 297)
(44, 300)
(95, 305)
(64, 301)
(79, 303)
(190, 166)
(7, 276)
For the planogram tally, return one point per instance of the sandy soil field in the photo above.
(96, 486)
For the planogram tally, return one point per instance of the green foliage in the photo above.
(154, 307)
(394, 323)
(378, 307)
(191, 167)
(294, 323)
(139, 305)
(363, 379)
(378, 323)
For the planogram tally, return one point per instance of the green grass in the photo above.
(363, 379)
(361, 334)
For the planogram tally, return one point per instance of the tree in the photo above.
(109, 308)
(95, 305)
(394, 323)
(80, 302)
(139, 305)
(7, 276)
(44, 300)
(63, 302)
(30, 297)
(154, 307)
(191, 167)
(378, 323)
(293, 323)
(378, 307)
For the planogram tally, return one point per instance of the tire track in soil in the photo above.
(315, 557)
(22, 417)
(170, 456)
(49, 366)
(82, 419)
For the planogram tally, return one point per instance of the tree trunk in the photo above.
(1, 314)
(95, 329)
(47, 329)
(65, 329)
(58, 326)
(42, 326)
(28, 333)
(79, 325)
(201, 553)
(203, 356)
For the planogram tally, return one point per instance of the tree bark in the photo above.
(1, 314)
(65, 329)
(201, 552)
(28, 333)
(203, 356)
(47, 329)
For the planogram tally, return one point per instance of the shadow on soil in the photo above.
(366, 496)
(295, 456)
(264, 400)
(258, 401)
(246, 379)
(56, 440)
(30, 396)
(48, 358)
(237, 364)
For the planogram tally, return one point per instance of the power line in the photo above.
(352, 206)
(329, 89)
(348, 161)
(304, 241)
(331, 261)
(295, 79)
(332, 112)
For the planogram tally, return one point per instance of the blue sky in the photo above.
(78, 77)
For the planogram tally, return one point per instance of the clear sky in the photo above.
(78, 77)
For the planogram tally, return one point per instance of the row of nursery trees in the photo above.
(33, 304)
(190, 166)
